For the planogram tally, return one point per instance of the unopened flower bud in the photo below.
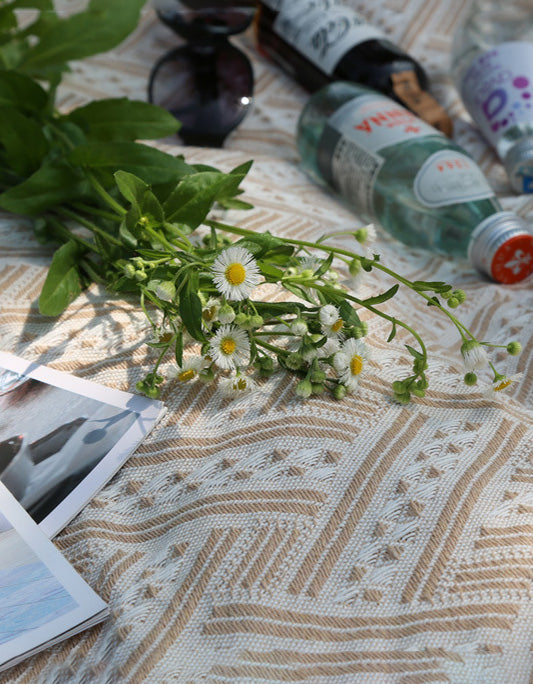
(514, 348)
(304, 389)
(226, 314)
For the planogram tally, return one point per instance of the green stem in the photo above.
(102, 192)
(65, 234)
(91, 226)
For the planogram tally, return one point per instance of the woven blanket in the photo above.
(272, 539)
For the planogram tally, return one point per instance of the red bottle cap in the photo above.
(513, 261)
(501, 247)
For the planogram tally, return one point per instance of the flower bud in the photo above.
(339, 392)
(470, 379)
(514, 348)
(129, 270)
(304, 389)
(226, 315)
(355, 267)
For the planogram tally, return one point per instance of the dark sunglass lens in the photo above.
(209, 91)
(206, 23)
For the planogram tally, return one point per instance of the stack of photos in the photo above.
(61, 439)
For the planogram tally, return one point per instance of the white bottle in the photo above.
(492, 66)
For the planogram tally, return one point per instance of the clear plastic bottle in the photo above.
(492, 66)
(319, 41)
(420, 186)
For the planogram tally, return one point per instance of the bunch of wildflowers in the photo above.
(205, 278)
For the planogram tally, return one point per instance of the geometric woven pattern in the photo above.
(274, 540)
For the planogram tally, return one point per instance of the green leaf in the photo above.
(190, 308)
(127, 236)
(392, 332)
(148, 163)
(47, 5)
(416, 354)
(123, 119)
(23, 140)
(131, 187)
(104, 24)
(193, 197)
(270, 272)
(433, 286)
(383, 297)
(348, 313)
(22, 92)
(178, 349)
(49, 186)
(324, 267)
(62, 284)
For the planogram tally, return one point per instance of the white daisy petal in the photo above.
(235, 273)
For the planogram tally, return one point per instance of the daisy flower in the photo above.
(350, 362)
(331, 321)
(189, 369)
(235, 273)
(474, 355)
(492, 391)
(236, 385)
(230, 347)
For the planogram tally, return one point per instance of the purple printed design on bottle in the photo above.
(498, 89)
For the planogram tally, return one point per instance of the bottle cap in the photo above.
(501, 247)
(518, 164)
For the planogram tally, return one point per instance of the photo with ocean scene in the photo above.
(30, 595)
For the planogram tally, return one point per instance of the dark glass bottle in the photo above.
(319, 41)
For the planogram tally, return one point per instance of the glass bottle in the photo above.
(319, 41)
(492, 66)
(406, 176)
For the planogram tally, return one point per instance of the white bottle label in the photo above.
(497, 89)
(448, 177)
(376, 121)
(321, 30)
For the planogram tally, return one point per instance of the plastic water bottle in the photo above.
(492, 66)
(406, 176)
(319, 41)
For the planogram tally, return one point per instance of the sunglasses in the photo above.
(207, 83)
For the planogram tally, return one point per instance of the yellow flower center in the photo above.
(228, 346)
(165, 337)
(235, 274)
(240, 384)
(356, 364)
(503, 384)
(186, 375)
(337, 325)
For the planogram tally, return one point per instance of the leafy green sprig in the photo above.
(139, 221)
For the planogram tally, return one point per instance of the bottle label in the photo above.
(321, 30)
(449, 177)
(348, 153)
(497, 89)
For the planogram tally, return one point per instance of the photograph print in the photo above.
(61, 440)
